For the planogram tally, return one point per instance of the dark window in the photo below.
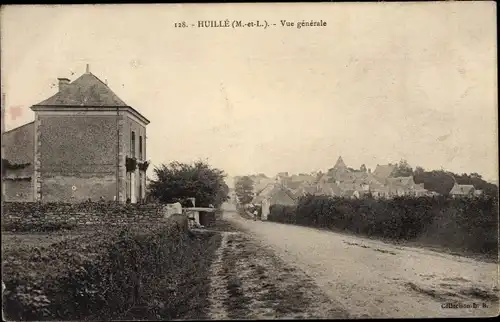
(140, 147)
(132, 144)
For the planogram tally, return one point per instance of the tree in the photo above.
(438, 181)
(177, 181)
(244, 190)
(476, 175)
(403, 169)
(418, 170)
(362, 168)
(442, 181)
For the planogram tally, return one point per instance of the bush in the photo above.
(37, 227)
(120, 273)
(469, 225)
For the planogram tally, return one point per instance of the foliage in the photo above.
(37, 227)
(18, 179)
(114, 274)
(177, 181)
(14, 166)
(130, 164)
(469, 225)
(403, 169)
(7, 165)
(244, 190)
(418, 170)
(441, 182)
(143, 166)
(437, 180)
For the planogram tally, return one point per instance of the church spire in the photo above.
(340, 164)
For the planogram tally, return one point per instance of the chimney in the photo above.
(63, 83)
(88, 69)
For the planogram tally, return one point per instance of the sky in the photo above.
(379, 83)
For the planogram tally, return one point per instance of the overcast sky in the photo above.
(379, 83)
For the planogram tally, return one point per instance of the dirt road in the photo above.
(248, 281)
(368, 278)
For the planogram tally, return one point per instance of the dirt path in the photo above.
(249, 282)
(375, 279)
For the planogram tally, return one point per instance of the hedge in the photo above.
(468, 225)
(115, 273)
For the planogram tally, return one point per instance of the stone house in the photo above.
(273, 194)
(17, 163)
(401, 186)
(382, 172)
(462, 190)
(85, 143)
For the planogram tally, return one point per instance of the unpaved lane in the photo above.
(375, 279)
(248, 281)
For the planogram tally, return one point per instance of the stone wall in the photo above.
(75, 153)
(85, 213)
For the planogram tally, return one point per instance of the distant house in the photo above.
(273, 194)
(361, 193)
(350, 193)
(462, 190)
(305, 189)
(382, 172)
(420, 190)
(85, 143)
(478, 193)
(339, 172)
(18, 165)
(329, 189)
(401, 186)
(294, 182)
(260, 183)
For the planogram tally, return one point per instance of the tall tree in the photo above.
(418, 170)
(403, 169)
(438, 181)
(178, 181)
(244, 190)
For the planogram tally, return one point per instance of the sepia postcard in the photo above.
(240, 161)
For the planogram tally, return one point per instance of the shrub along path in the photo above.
(248, 281)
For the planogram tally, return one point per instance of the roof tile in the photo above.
(86, 90)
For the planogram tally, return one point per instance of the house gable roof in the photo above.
(400, 181)
(384, 171)
(462, 189)
(330, 189)
(270, 190)
(86, 90)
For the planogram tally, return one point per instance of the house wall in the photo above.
(18, 190)
(18, 145)
(130, 124)
(77, 156)
(281, 198)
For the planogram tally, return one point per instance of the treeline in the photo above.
(442, 182)
(464, 225)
